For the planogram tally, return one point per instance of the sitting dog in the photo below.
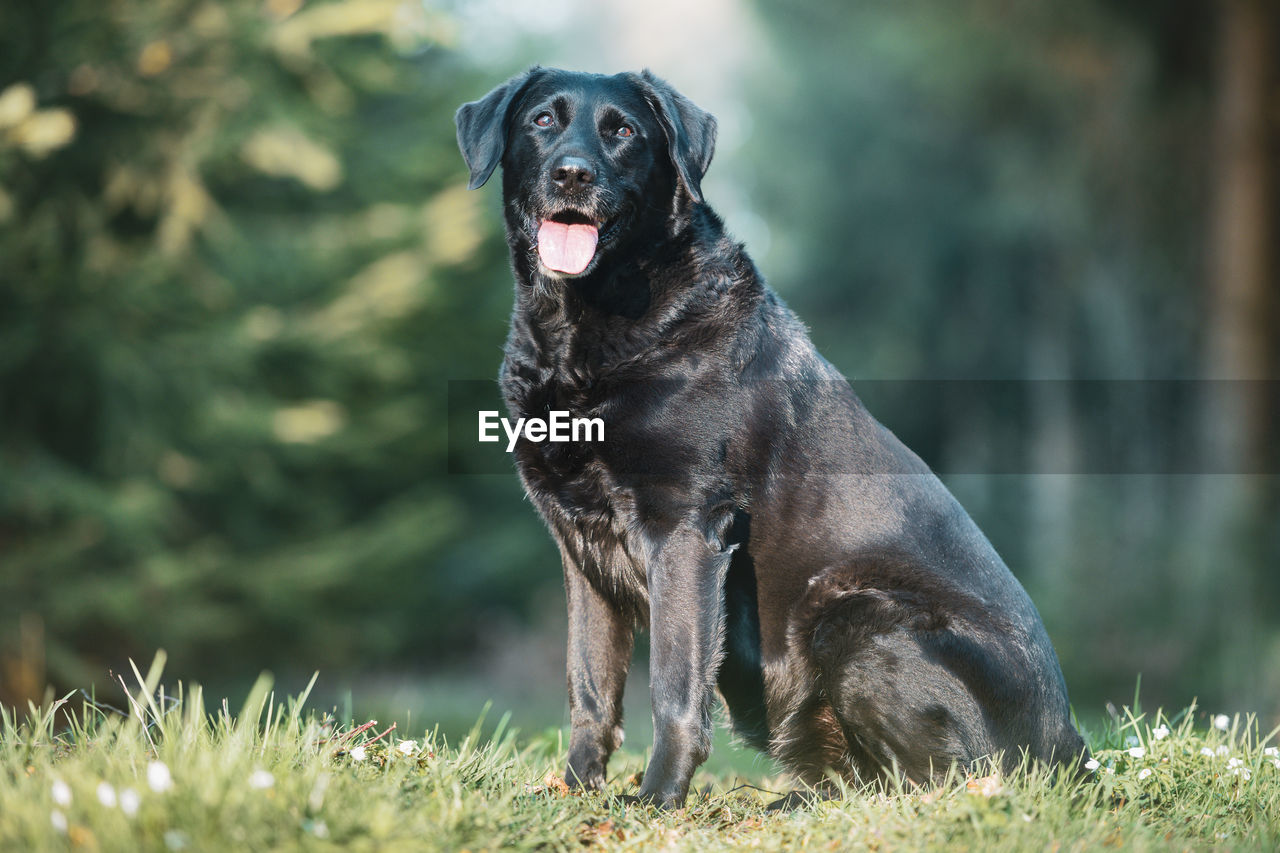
(778, 543)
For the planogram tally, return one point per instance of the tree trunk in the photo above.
(1240, 333)
(1242, 232)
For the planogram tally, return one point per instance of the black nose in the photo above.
(573, 173)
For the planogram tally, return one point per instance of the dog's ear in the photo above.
(690, 132)
(482, 127)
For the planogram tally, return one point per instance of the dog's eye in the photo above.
(626, 131)
(544, 119)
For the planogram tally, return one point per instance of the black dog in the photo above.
(778, 542)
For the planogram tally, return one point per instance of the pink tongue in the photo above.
(566, 248)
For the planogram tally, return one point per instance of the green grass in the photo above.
(273, 775)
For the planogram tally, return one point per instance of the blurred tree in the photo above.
(1224, 51)
(1239, 516)
(239, 268)
(1242, 313)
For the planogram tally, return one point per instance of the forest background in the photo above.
(241, 280)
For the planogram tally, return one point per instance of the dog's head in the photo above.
(589, 161)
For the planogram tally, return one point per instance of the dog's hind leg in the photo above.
(901, 709)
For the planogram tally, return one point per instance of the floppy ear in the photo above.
(690, 132)
(482, 127)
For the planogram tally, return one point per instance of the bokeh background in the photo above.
(239, 269)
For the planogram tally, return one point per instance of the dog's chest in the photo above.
(581, 490)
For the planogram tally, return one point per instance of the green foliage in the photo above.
(277, 775)
(240, 267)
(963, 165)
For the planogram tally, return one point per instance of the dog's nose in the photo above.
(572, 173)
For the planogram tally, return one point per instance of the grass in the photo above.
(166, 772)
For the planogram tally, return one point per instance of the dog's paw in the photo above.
(589, 777)
(654, 799)
(640, 800)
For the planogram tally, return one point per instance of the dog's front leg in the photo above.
(686, 582)
(600, 644)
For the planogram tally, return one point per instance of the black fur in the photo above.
(778, 542)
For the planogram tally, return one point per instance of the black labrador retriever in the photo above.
(779, 543)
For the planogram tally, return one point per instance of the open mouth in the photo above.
(567, 241)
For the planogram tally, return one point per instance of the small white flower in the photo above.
(408, 747)
(1144, 773)
(159, 777)
(358, 753)
(1111, 770)
(1276, 763)
(1132, 740)
(129, 802)
(1160, 732)
(260, 779)
(1092, 764)
(1204, 750)
(106, 795)
(59, 821)
(1222, 722)
(320, 829)
(1137, 752)
(1242, 771)
(1223, 750)
(1271, 752)
(1235, 762)
(61, 793)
